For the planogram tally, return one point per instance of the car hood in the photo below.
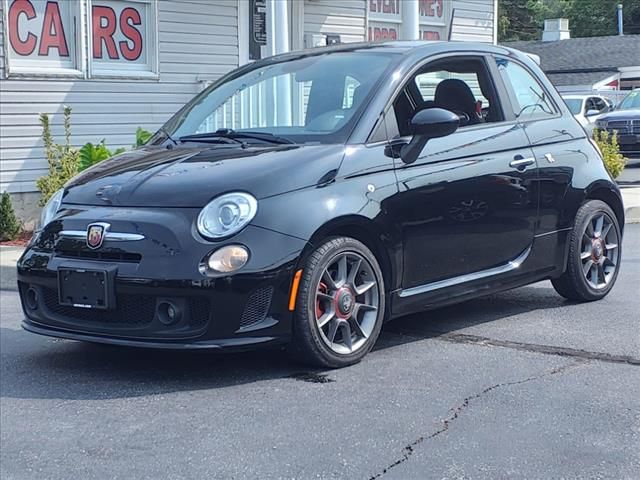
(191, 177)
(631, 114)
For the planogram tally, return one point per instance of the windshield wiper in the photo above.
(227, 133)
(166, 134)
(209, 137)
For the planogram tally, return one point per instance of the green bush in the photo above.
(63, 159)
(614, 161)
(9, 225)
(142, 136)
(66, 161)
(91, 154)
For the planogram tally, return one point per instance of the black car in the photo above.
(306, 198)
(625, 122)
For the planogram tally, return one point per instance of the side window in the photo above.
(600, 104)
(531, 101)
(461, 85)
(428, 82)
(590, 104)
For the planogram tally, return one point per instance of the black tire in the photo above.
(573, 284)
(307, 345)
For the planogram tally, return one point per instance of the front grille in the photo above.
(621, 126)
(131, 310)
(635, 126)
(257, 307)
(100, 255)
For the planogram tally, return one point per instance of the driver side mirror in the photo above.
(592, 113)
(425, 125)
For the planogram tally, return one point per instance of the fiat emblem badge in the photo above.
(95, 234)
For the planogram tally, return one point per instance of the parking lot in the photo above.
(521, 384)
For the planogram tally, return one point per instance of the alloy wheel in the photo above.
(600, 251)
(346, 303)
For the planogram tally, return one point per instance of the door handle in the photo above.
(519, 162)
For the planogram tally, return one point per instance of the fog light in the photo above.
(31, 299)
(228, 259)
(168, 313)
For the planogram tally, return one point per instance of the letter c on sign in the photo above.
(17, 8)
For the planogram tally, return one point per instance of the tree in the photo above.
(516, 21)
(524, 19)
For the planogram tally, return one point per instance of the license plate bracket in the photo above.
(86, 287)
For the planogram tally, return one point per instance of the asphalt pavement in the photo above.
(521, 384)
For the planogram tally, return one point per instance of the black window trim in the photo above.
(511, 94)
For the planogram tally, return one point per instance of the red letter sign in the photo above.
(53, 32)
(27, 46)
(104, 32)
(128, 17)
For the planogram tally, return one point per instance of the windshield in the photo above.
(630, 101)
(574, 104)
(310, 99)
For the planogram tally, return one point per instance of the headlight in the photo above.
(51, 208)
(226, 215)
(601, 124)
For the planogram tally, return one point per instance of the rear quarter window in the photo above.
(530, 100)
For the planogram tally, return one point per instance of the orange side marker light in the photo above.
(294, 290)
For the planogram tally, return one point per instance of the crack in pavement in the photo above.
(536, 348)
(457, 411)
(526, 347)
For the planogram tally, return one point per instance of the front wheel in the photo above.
(340, 305)
(594, 254)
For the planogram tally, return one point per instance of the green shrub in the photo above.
(142, 136)
(614, 161)
(66, 161)
(63, 159)
(91, 154)
(9, 225)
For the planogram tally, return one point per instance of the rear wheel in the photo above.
(340, 305)
(594, 254)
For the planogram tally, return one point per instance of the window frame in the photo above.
(502, 96)
(12, 70)
(512, 94)
(151, 39)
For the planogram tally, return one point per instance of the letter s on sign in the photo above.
(17, 8)
(128, 18)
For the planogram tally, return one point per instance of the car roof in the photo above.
(405, 48)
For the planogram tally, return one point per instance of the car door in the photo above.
(468, 203)
(556, 140)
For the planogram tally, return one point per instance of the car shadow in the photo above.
(62, 369)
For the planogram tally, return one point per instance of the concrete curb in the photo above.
(631, 200)
(8, 258)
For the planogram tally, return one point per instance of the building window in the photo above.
(385, 19)
(121, 38)
(81, 38)
(42, 37)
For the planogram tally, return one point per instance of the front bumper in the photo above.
(232, 311)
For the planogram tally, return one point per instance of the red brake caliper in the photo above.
(319, 307)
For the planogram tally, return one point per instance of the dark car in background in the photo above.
(625, 120)
(304, 199)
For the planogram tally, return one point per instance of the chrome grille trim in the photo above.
(114, 236)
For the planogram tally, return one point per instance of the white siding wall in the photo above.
(346, 18)
(473, 20)
(198, 41)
